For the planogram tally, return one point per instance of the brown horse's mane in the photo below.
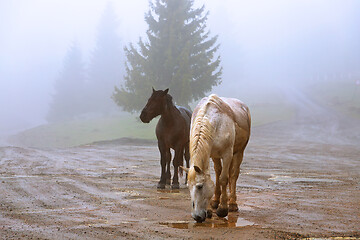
(169, 101)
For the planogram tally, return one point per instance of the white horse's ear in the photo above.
(197, 169)
(184, 168)
(153, 89)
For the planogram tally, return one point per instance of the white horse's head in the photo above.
(201, 190)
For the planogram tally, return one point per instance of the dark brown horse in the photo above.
(172, 131)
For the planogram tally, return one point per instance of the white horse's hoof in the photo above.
(222, 212)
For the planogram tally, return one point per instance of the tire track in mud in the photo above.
(82, 193)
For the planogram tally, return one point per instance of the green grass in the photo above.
(265, 108)
(78, 132)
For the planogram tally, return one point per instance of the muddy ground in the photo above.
(299, 179)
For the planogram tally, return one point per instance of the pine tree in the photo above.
(179, 54)
(68, 100)
(106, 66)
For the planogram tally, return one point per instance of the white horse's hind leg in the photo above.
(222, 210)
(234, 174)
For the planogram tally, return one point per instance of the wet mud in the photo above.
(299, 179)
(233, 220)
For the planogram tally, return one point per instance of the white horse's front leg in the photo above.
(216, 199)
(222, 210)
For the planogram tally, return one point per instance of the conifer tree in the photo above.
(106, 66)
(179, 54)
(68, 100)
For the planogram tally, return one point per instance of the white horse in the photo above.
(220, 129)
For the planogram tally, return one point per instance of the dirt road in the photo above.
(299, 179)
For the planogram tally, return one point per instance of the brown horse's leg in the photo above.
(187, 159)
(216, 199)
(222, 210)
(168, 172)
(234, 174)
(165, 157)
(179, 152)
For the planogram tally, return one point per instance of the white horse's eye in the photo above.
(199, 186)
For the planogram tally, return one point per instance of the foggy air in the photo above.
(131, 119)
(263, 45)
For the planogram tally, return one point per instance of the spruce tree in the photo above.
(68, 100)
(179, 54)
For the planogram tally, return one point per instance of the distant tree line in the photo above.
(68, 100)
(178, 54)
(81, 90)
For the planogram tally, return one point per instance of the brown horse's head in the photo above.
(155, 105)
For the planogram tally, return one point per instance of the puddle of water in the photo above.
(228, 222)
(162, 198)
(168, 190)
(138, 179)
(255, 173)
(61, 210)
(125, 191)
(245, 208)
(309, 180)
(127, 222)
(129, 194)
(167, 196)
(20, 176)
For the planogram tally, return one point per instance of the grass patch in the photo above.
(79, 132)
(266, 107)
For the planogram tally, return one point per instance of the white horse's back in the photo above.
(222, 113)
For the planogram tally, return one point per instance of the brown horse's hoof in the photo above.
(214, 204)
(175, 186)
(209, 213)
(222, 212)
(161, 185)
(233, 207)
(168, 181)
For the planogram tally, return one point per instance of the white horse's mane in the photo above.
(201, 133)
(202, 130)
